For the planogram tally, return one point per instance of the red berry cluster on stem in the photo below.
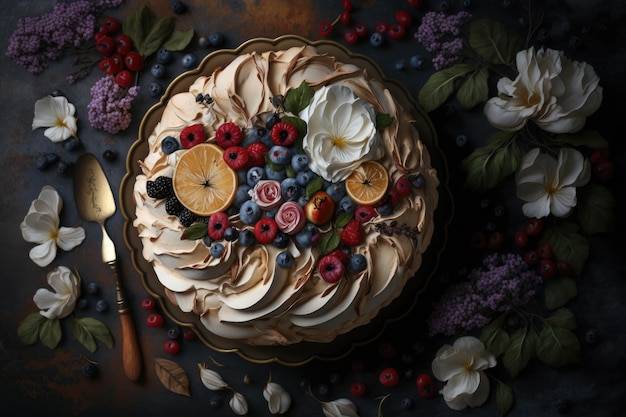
(119, 57)
(156, 320)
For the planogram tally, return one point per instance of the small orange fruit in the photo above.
(203, 182)
(320, 208)
(367, 184)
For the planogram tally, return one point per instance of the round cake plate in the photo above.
(300, 353)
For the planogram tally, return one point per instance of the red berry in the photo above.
(344, 18)
(404, 18)
(192, 135)
(391, 197)
(256, 154)
(534, 227)
(133, 61)
(478, 240)
(564, 268)
(98, 35)
(351, 37)
(154, 320)
(532, 257)
(547, 268)
(389, 377)
(416, 4)
(118, 61)
(111, 25)
(386, 350)
(521, 239)
(265, 230)
(228, 134)
(544, 250)
(382, 27)
(361, 30)
(217, 225)
(107, 65)
(396, 31)
(189, 334)
(105, 45)
(236, 157)
(347, 5)
(364, 214)
(148, 304)
(599, 155)
(123, 44)
(352, 233)
(342, 255)
(284, 134)
(425, 385)
(496, 239)
(604, 170)
(357, 389)
(330, 268)
(326, 29)
(124, 78)
(403, 186)
(171, 346)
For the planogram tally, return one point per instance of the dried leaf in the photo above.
(172, 376)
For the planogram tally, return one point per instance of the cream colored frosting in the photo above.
(244, 295)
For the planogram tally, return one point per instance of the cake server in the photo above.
(94, 201)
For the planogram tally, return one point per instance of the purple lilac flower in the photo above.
(110, 105)
(39, 40)
(439, 34)
(504, 281)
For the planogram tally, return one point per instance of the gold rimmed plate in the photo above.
(304, 352)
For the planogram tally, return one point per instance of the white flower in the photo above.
(341, 133)
(57, 115)
(211, 379)
(549, 185)
(41, 225)
(60, 303)
(462, 366)
(554, 91)
(278, 400)
(238, 404)
(341, 407)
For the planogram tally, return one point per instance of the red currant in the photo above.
(382, 27)
(189, 334)
(544, 250)
(425, 385)
(361, 30)
(548, 268)
(478, 240)
(534, 226)
(154, 320)
(357, 389)
(171, 346)
(111, 25)
(604, 170)
(521, 239)
(133, 61)
(396, 31)
(123, 44)
(347, 5)
(345, 18)
(389, 377)
(599, 155)
(404, 18)
(326, 29)
(532, 257)
(105, 45)
(148, 304)
(124, 78)
(416, 4)
(496, 239)
(564, 268)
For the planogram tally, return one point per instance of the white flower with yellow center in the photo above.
(462, 366)
(341, 133)
(548, 185)
(41, 226)
(61, 303)
(57, 115)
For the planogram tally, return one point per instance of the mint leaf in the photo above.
(493, 41)
(195, 231)
(557, 347)
(50, 332)
(314, 186)
(28, 331)
(299, 98)
(328, 242)
(178, 40)
(138, 25)
(596, 209)
(160, 33)
(383, 120)
(521, 350)
(84, 336)
(96, 329)
(440, 86)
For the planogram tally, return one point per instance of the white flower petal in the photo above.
(341, 407)
(48, 302)
(43, 254)
(38, 228)
(70, 237)
(238, 404)
(211, 379)
(563, 202)
(539, 208)
(57, 115)
(62, 302)
(465, 382)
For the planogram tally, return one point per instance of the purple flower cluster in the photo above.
(39, 40)
(503, 282)
(439, 34)
(109, 109)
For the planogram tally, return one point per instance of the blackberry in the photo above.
(161, 187)
(186, 217)
(173, 206)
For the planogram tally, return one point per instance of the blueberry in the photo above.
(109, 155)
(334, 378)
(347, 205)
(71, 144)
(376, 39)
(102, 306)
(303, 200)
(290, 189)
(406, 403)
(591, 336)
(164, 56)
(173, 333)
(417, 180)
(281, 240)
(461, 140)
(385, 209)
(217, 249)
(305, 176)
(169, 145)
(357, 263)
(231, 234)
(336, 191)
(189, 60)
(417, 62)
(93, 288)
(89, 370)
(280, 155)
(444, 5)
(83, 304)
(284, 259)
(323, 389)
(270, 214)
(304, 238)
(271, 120)
(216, 39)
(44, 161)
(299, 162)
(254, 175)
(158, 70)
(250, 212)
(246, 237)
(203, 42)
(206, 239)
(399, 64)
(242, 195)
(179, 7)
(272, 174)
(155, 89)
(216, 401)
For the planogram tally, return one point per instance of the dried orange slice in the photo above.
(367, 184)
(203, 182)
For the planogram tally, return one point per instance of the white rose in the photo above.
(341, 133)
(555, 92)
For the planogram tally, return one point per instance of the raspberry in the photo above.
(228, 134)
(160, 188)
(330, 268)
(218, 223)
(256, 154)
(236, 157)
(265, 230)
(192, 135)
(403, 186)
(284, 134)
(341, 255)
(352, 234)
(363, 214)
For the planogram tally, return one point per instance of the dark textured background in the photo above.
(35, 380)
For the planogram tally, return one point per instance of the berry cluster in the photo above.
(602, 164)
(93, 289)
(155, 320)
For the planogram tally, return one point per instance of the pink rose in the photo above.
(290, 218)
(267, 194)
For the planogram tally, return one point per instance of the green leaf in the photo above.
(559, 291)
(563, 318)
(298, 123)
(138, 25)
(487, 166)
(160, 33)
(28, 331)
(504, 398)
(440, 86)
(474, 90)
(521, 350)
(328, 242)
(97, 329)
(178, 40)
(568, 245)
(82, 334)
(314, 186)
(195, 231)
(383, 120)
(557, 347)
(596, 209)
(50, 332)
(493, 41)
(588, 137)
(343, 219)
(494, 337)
(298, 98)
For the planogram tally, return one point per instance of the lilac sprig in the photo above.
(109, 109)
(439, 33)
(37, 41)
(502, 283)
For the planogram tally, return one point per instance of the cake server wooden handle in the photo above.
(131, 354)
